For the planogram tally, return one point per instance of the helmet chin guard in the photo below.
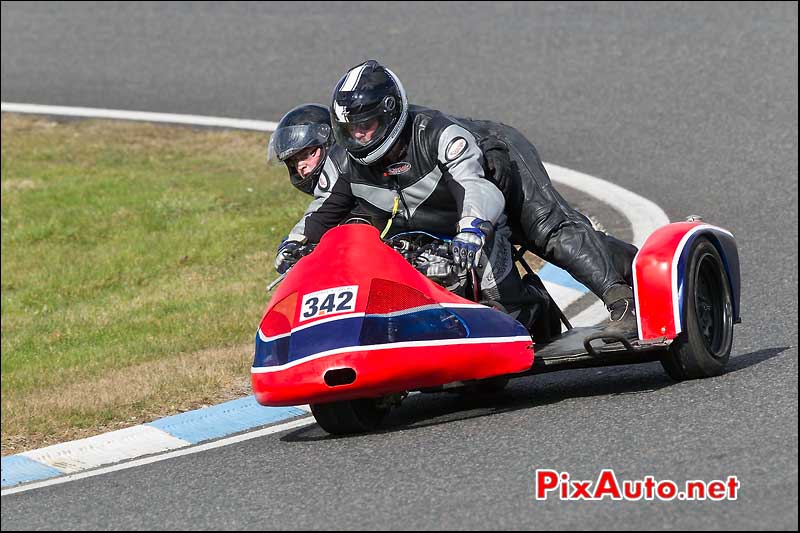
(369, 97)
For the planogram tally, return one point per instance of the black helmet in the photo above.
(302, 127)
(369, 97)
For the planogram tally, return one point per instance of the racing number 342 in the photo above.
(335, 301)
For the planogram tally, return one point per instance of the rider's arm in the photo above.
(459, 154)
(332, 211)
(327, 179)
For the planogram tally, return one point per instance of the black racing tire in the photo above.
(349, 416)
(702, 350)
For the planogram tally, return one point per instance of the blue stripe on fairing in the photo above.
(553, 274)
(682, 279)
(436, 323)
(272, 353)
(484, 322)
(18, 469)
(223, 419)
(478, 322)
(308, 341)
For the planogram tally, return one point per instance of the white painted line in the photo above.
(111, 447)
(644, 216)
(388, 346)
(90, 112)
(305, 421)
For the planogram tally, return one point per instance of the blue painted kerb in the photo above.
(194, 426)
(219, 420)
(553, 274)
(19, 469)
(224, 419)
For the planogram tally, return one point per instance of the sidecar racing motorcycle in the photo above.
(359, 322)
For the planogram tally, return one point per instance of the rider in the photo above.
(521, 184)
(528, 193)
(303, 138)
(425, 198)
(552, 229)
(304, 142)
(429, 162)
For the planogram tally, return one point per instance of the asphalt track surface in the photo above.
(693, 106)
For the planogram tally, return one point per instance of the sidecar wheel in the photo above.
(349, 416)
(704, 347)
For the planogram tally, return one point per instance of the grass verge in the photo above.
(134, 261)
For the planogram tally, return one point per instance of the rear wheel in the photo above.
(349, 416)
(704, 346)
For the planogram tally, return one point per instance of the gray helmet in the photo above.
(303, 127)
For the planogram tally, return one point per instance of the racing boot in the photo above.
(619, 302)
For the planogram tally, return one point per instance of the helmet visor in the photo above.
(287, 141)
(362, 134)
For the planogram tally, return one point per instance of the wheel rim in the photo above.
(712, 307)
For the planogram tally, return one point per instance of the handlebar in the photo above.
(420, 242)
(430, 254)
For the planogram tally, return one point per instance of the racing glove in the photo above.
(289, 252)
(468, 243)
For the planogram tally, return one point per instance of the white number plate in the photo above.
(329, 302)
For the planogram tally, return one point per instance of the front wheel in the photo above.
(349, 416)
(703, 348)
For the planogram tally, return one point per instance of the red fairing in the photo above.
(659, 275)
(385, 371)
(317, 321)
(353, 254)
(653, 277)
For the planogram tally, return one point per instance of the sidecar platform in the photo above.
(584, 348)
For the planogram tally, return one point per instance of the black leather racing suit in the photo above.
(443, 183)
(538, 215)
(547, 225)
